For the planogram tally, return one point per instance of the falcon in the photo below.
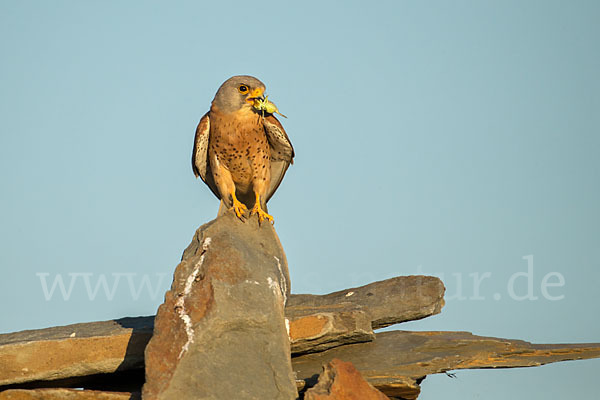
(241, 151)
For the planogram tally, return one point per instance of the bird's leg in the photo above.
(238, 207)
(257, 209)
(226, 186)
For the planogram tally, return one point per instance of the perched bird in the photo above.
(241, 151)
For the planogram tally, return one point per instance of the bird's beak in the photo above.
(257, 93)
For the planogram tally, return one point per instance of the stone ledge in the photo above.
(396, 361)
(65, 394)
(105, 347)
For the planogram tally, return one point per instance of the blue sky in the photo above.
(453, 138)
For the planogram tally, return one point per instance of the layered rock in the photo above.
(396, 361)
(316, 323)
(65, 394)
(74, 350)
(223, 321)
(325, 330)
(388, 302)
(221, 331)
(319, 322)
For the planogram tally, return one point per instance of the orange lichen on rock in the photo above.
(307, 327)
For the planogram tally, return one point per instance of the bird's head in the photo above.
(238, 92)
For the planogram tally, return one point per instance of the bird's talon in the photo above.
(239, 208)
(261, 214)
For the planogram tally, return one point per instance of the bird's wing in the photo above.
(200, 161)
(282, 152)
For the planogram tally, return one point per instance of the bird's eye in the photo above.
(243, 89)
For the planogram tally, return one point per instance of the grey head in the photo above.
(238, 92)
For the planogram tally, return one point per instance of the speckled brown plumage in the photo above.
(241, 154)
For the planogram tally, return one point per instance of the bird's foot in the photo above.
(239, 208)
(262, 215)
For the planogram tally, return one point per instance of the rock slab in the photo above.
(317, 322)
(221, 333)
(396, 361)
(341, 381)
(74, 350)
(325, 330)
(388, 302)
(65, 394)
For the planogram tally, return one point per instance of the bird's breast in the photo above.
(238, 127)
(240, 143)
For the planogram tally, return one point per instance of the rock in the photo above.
(73, 350)
(65, 394)
(221, 334)
(322, 331)
(395, 300)
(396, 361)
(341, 381)
(316, 323)
(104, 347)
